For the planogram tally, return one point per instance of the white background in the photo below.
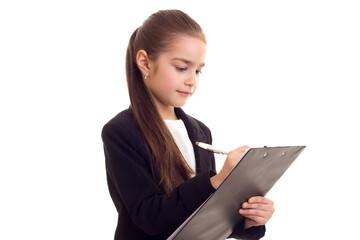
(277, 73)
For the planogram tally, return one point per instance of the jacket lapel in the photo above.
(196, 134)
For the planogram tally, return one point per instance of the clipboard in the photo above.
(254, 175)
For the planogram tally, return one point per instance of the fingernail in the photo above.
(252, 199)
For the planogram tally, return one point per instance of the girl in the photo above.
(156, 175)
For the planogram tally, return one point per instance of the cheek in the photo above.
(197, 82)
(172, 81)
(169, 79)
(170, 86)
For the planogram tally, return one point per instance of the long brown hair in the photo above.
(156, 36)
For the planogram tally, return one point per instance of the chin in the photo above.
(179, 105)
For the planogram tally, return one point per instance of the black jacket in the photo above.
(145, 211)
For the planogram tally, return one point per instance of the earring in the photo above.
(146, 76)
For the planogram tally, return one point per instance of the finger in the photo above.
(259, 202)
(242, 149)
(260, 217)
(255, 212)
(259, 206)
(257, 219)
(260, 199)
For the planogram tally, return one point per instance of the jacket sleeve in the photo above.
(148, 206)
(253, 233)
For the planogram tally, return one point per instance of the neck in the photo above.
(168, 113)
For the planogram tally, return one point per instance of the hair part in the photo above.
(155, 36)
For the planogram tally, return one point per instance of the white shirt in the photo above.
(179, 133)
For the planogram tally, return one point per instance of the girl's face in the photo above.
(174, 76)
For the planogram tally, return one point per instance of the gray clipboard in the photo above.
(256, 173)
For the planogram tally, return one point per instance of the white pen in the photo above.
(210, 148)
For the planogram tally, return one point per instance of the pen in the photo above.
(210, 148)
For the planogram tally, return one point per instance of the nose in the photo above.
(191, 80)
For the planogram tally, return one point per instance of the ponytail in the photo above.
(167, 163)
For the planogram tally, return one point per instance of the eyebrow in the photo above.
(187, 61)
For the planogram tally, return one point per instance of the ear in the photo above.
(143, 62)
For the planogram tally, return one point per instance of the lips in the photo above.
(184, 93)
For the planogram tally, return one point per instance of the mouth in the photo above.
(184, 93)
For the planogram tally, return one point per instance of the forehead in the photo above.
(192, 49)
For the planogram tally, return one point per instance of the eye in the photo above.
(181, 69)
(198, 71)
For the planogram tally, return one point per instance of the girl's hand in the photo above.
(231, 160)
(257, 211)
